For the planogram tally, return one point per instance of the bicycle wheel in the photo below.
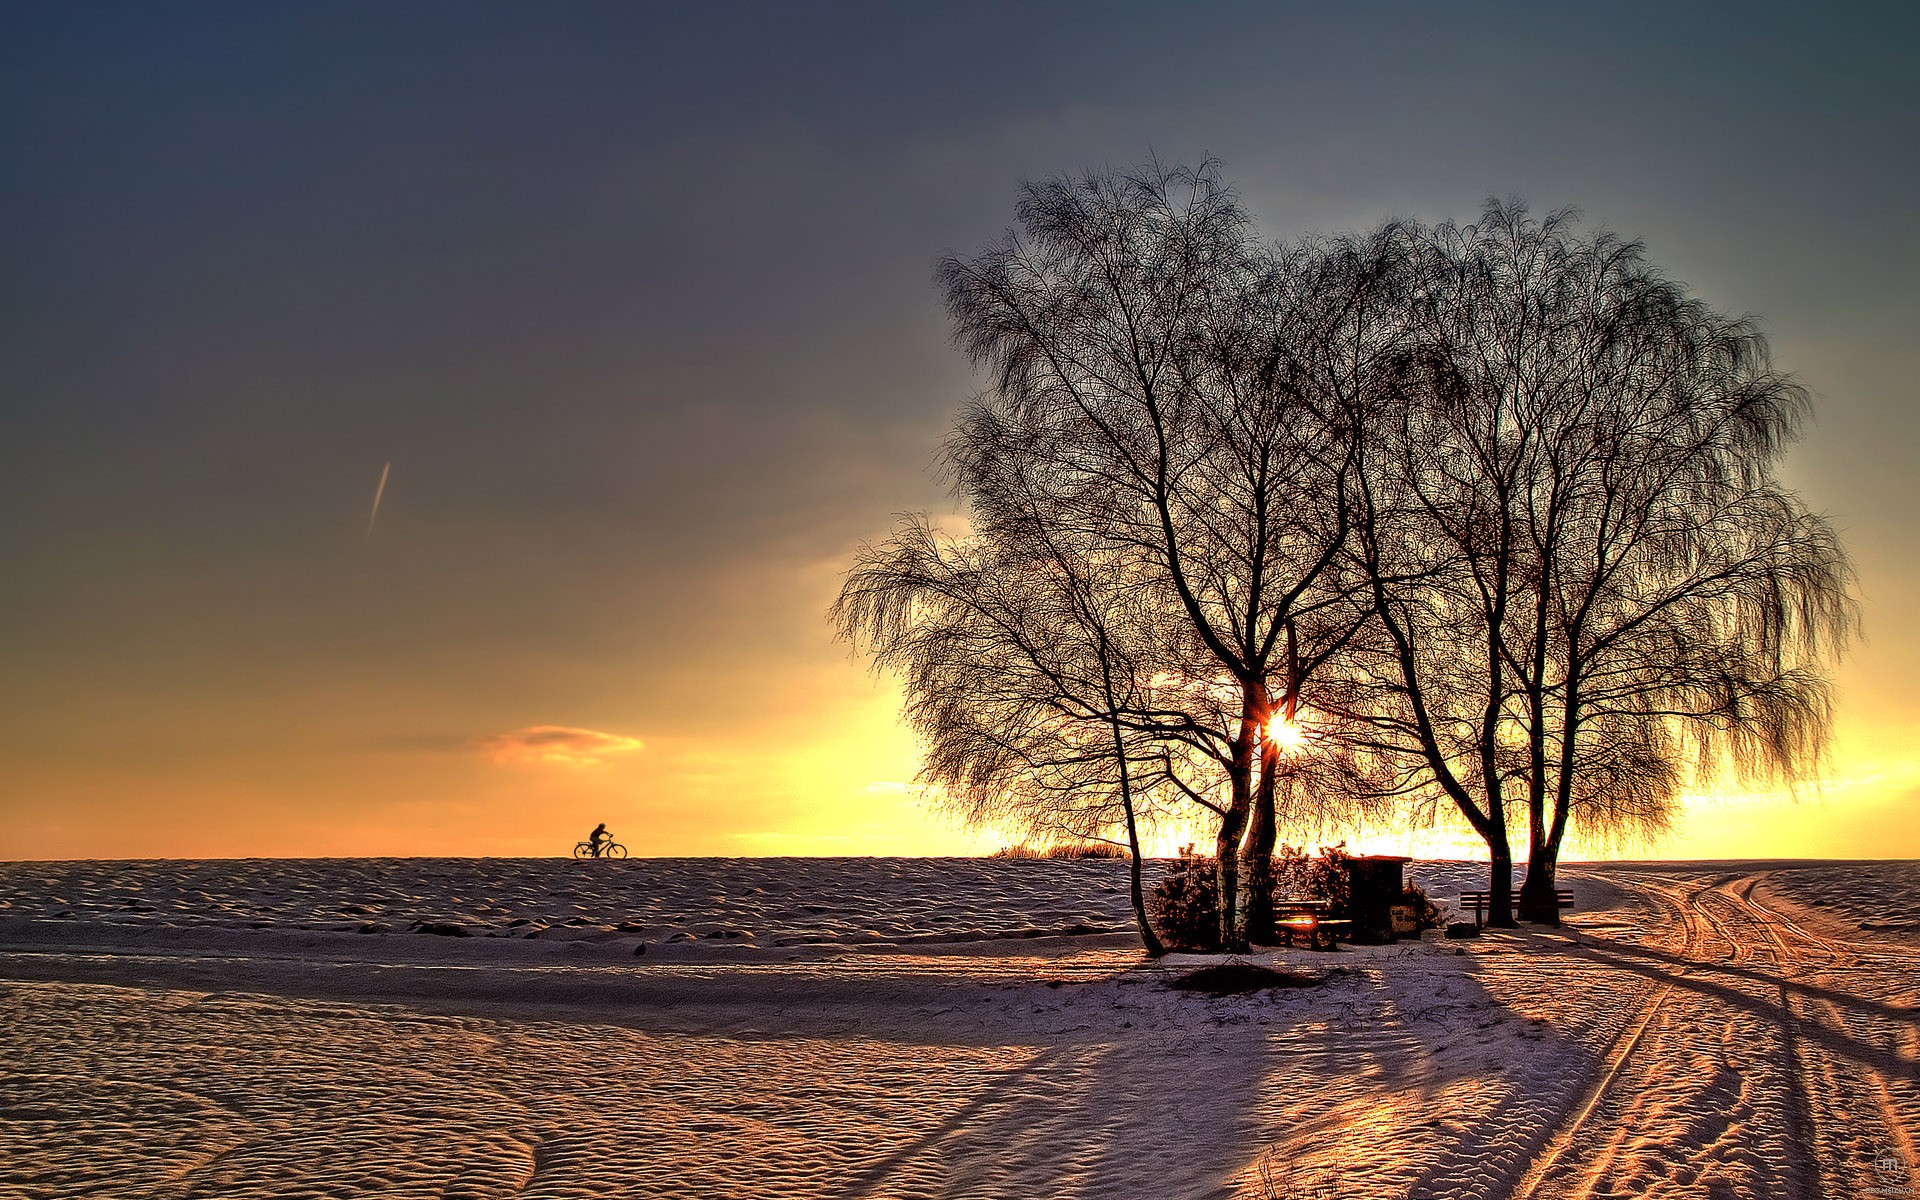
(582, 850)
(614, 850)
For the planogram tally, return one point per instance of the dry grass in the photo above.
(1070, 851)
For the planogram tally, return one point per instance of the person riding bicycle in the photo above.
(599, 838)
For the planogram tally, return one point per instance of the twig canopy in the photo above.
(1491, 508)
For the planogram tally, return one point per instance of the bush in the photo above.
(1426, 914)
(1020, 852)
(1298, 875)
(1185, 905)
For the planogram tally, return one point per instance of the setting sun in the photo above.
(1288, 736)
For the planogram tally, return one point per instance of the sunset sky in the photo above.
(636, 301)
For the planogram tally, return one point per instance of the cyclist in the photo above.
(599, 838)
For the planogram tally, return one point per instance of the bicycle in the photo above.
(606, 850)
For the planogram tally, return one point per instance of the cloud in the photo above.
(559, 745)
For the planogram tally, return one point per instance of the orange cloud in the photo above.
(559, 745)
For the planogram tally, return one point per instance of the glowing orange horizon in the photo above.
(821, 767)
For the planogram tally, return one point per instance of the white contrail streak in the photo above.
(379, 490)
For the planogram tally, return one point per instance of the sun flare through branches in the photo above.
(1288, 737)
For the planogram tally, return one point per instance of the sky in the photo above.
(635, 300)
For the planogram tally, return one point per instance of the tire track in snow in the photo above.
(1803, 1137)
(1845, 1081)
(1830, 1093)
(1662, 1072)
(1563, 1143)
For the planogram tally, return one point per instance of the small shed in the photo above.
(1374, 888)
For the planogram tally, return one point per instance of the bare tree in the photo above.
(1026, 676)
(1152, 364)
(1590, 590)
(1493, 506)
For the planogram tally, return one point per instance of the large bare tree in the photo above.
(1152, 363)
(1492, 507)
(1590, 589)
(1030, 669)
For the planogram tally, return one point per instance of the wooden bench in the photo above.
(1482, 902)
(1308, 920)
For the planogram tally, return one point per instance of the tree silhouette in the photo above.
(1491, 508)
(1026, 677)
(1156, 370)
(1593, 591)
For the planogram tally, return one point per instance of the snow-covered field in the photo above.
(1880, 898)
(760, 901)
(936, 1028)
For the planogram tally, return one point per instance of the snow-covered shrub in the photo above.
(1426, 914)
(1185, 905)
(1298, 875)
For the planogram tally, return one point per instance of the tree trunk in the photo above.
(1226, 867)
(1265, 828)
(1539, 896)
(1538, 902)
(1500, 885)
(1148, 938)
(1226, 845)
(1533, 907)
(1257, 861)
